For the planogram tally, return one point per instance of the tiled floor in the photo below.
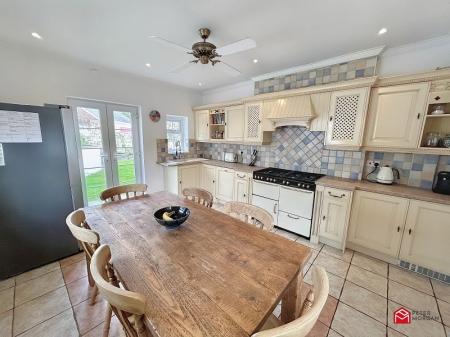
(53, 300)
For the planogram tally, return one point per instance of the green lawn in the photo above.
(96, 182)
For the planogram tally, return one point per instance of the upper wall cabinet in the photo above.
(396, 115)
(346, 117)
(202, 125)
(255, 125)
(234, 125)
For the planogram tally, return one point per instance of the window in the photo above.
(177, 131)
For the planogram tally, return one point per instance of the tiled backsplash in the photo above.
(163, 155)
(335, 73)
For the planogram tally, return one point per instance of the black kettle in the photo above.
(441, 183)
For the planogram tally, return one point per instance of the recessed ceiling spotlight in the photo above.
(148, 65)
(200, 84)
(36, 35)
(255, 60)
(382, 31)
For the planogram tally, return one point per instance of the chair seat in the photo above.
(271, 322)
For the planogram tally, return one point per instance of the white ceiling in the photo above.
(114, 34)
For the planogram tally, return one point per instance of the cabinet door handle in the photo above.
(180, 182)
(331, 118)
(292, 217)
(409, 231)
(323, 218)
(398, 229)
(336, 196)
(275, 208)
(418, 116)
(245, 195)
(239, 176)
(214, 181)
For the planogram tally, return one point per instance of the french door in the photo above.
(108, 146)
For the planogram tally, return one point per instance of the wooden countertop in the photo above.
(394, 190)
(219, 163)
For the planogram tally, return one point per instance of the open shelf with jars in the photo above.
(217, 124)
(436, 129)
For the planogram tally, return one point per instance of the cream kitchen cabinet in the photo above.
(234, 125)
(320, 106)
(225, 184)
(202, 125)
(334, 216)
(252, 122)
(396, 115)
(426, 237)
(377, 222)
(208, 178)
(242, 187)
(177, 178)
(346, 117)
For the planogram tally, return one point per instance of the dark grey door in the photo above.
(35, 197)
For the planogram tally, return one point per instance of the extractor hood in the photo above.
(292, 110)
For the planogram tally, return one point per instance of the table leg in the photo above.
(292, 301)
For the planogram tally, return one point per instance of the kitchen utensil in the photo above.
(387, 175)
(441, 183)
(230, 157)
(177, 213)
(253, 158)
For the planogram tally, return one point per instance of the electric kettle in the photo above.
(386, 175)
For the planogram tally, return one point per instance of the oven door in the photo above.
(296, 201)
(269, 205)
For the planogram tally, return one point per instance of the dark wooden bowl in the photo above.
(180, 216)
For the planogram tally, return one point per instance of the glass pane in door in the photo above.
(91, 146)
(125, 153)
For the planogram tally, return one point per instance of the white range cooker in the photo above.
(288, 196)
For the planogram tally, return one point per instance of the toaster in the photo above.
(441, 183)
(230, 157)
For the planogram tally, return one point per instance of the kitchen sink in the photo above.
(183, 161)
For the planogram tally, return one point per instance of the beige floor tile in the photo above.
(40, 309)
(6, 300)
(58, 326)
(286, 234)
(116, 329)
(36, 272)
(368, 280)
(89, 316)
(413, 299)
(364, 300)
(352, 323)
(336, 283)
(417, 328)
(441, 290)
(74, 271)
(319, 330)
(333, 333)
(337, 253)
(8, 283)
(6, 322)
(306, 268)
(444, 309)
(393, 333)
(374, 265)
(72, 259)
(410, 279)
(314, 254)
(79, 291)
(306, 242)
(447, 331)
(332, 264)
(327, 313)
(38, 286)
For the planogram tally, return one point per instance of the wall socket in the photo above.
(371, 163)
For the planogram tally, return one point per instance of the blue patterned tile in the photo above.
(431, 159)
(417, 167)
(426, 184)
(378, 155)
(354, 175)
(339, 160)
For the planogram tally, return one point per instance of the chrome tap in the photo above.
(177, 149)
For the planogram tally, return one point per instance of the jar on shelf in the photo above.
(446, 141)
(432, 139)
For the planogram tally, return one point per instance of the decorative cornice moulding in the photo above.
(324, 63)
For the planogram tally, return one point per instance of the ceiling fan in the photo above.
(206, 52)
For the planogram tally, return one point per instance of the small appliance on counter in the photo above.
(441, 183)
(386, 175)
(230, 157)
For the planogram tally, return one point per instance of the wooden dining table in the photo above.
(212, 276)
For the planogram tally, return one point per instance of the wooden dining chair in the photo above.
(88, 239)
(251, 213)
(198, 195)
(128, 306)
(115, 193)
(312, 307)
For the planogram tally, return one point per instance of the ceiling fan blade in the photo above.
(226, 68)
(181, 68)
(236, 47)
(170, 44)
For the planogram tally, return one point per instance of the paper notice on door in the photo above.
(19, 127)
(2, 156)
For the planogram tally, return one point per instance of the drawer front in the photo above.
(336, 193)
(242, 175)
(296, 201)
(266, 190)
(294, 223)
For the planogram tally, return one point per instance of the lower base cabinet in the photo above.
(225, 184)
(208, 178)
(377, 222)
(426, 240)
(241, 187)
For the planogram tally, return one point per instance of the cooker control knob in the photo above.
(307, 186)
(287, 182)
(298, 184)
